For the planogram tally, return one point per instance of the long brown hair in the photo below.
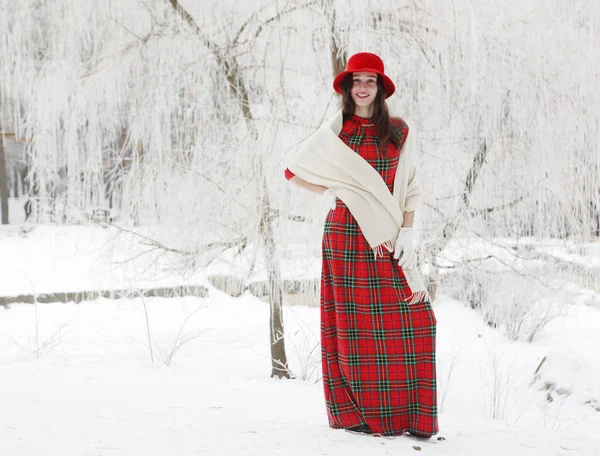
(381, 115)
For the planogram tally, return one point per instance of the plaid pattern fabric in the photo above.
(378, 353)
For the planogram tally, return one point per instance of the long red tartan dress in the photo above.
(378, 353)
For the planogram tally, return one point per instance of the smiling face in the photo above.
(364, 90)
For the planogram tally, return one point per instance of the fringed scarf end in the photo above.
(418, 296)
(378, 250)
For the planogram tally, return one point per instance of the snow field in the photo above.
(88, 379)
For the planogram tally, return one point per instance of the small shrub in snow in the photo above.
(306, 346)
(519, 305)
(42, 342)
(165, 352)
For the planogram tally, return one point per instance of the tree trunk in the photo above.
(338, 58)
(279, 363)
(16, 180)
(4, 192)
(452, 224)
(339, 54)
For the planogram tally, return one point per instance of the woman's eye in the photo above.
(367, 81)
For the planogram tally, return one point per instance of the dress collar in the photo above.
(362, 120)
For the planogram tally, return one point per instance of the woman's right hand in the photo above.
(308, 186)
(330, 198)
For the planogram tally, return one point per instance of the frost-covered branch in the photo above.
(452, 223)
(290, 217)
(12, 136)
(227, 63)
(488, 210)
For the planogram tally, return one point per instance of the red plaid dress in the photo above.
(378, 353)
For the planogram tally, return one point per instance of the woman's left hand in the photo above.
(404, 250)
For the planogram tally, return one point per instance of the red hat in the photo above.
(365, 62)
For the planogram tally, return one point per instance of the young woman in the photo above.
(377, 325)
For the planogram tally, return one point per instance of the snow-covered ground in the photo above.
(103, 378)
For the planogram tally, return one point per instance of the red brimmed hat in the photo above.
(365, 62)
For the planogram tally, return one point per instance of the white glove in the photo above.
(330, 198)
(404, 250)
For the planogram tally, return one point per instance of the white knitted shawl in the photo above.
(326, 160)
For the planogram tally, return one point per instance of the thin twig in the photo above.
(148, 329)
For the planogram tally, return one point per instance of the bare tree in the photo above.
(239, 92)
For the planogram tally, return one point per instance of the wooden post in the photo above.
(4, 192)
